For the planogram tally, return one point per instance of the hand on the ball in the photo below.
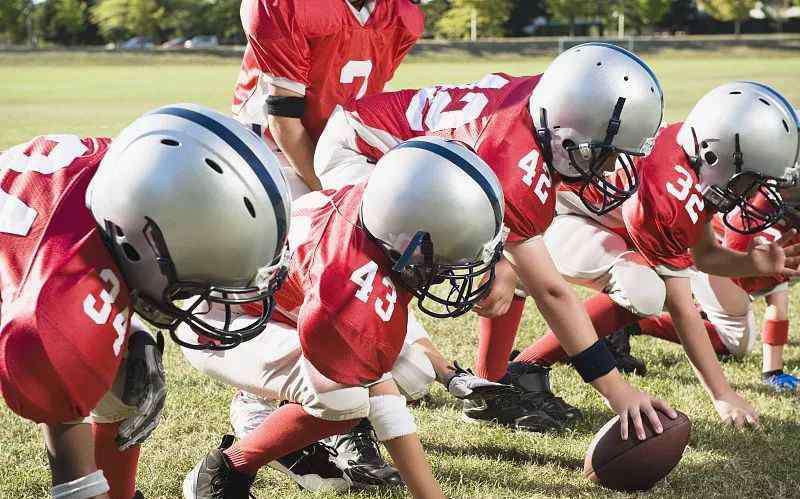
(497, 302)
(629, 401)
(735, 410)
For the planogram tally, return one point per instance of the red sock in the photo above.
(661, 326)
(606, 317)
(118, 467)
(496, 340)
(286, 430)
(775, 333)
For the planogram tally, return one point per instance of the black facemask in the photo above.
(589, 161)
(460, 292)
(166, 315)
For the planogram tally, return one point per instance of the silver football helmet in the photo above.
(193, 205)
(743, 139)
(597, 102)
(436, 209)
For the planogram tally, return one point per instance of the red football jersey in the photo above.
(742, 242)
(63, 304)
(324, 49)
(667, 215)
(492, 116)
(350, 315)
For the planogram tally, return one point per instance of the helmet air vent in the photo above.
(213, 165)
(170, 142)
(735, 92)
(765, 101)
(785, 126)
(625, 78)
(250, 208)
(130, 252)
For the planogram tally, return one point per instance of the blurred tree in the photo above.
(433, 12)
(522, 15)
(119, 18)
(641, 14)
(777, 10)
(729, 10)
(569, 11)
(66, 22)
(492, 17)
(15, 19)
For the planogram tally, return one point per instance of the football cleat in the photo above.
(781, 382)
(215, 478)
(358, 455)
(465, 385)
(313, 468)
(619, 343)
(512, 410)
(534, 381)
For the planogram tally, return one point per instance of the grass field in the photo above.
(98, 94)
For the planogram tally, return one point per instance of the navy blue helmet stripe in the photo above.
(249, 157)
(467, 168)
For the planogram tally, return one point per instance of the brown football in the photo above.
(633, 464)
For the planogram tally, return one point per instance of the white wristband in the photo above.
(83, 488)
(390, 417)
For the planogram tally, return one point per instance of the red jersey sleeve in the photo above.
(277, 40)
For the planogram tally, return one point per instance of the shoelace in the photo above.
(365, 443)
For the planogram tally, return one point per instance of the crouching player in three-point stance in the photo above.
(430, 215)
(92, 231)
(594, 103)
(738, 145)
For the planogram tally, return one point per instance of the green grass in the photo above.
(98, 94)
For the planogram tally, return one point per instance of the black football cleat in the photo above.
(534, 381)
(358, 455)
(215, 478)
(313, 468)
(512, 410)
(619, 343)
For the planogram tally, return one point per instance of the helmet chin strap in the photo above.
(545, 138)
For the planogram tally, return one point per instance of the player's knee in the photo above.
(638, 288)
(342, 404)
(413, 372)
(737, 332)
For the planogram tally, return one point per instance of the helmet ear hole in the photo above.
(130, 252)
(710, 158)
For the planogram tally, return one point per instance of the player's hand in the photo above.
(498, 301)
(777, 257)
(628, 401)
(145, 389)
(735, 410)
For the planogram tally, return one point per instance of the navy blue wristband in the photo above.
(594, 362)
(286, 106)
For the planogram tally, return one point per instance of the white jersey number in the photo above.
(694, 204)
(439, 99)
(364, 277)
(357, 69)
(100, 316)
(528, 164)
(60, 151)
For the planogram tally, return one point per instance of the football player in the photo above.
(93, 230)
(336, 348)
(594, 103)
(738, 144)
(302, 60)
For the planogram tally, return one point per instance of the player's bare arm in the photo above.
(499, 298)
(731, 407)
(566, 316)
(763, 259)
(291, 136)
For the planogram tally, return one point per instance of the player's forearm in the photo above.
(694, 338)
(409, 458)
(716, 260)
(295, 143)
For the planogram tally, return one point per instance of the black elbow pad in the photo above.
(286, 106)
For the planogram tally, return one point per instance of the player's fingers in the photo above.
(752, 419)
(739, 420)
(655, 421)
(638, 425)
(663, 406)
(623, 425)
(790, 272)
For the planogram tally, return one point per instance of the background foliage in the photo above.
(92, 22)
